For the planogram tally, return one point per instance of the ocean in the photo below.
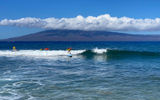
(97, 71)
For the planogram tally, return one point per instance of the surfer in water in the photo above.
(14, 48)
(69, 52)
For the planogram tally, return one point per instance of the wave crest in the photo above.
(110, 53)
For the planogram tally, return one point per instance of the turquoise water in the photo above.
(97, 71)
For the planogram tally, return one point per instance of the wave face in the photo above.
(110, 53)
(126, 53)
(120, 54)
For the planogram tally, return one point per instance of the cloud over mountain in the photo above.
(102, 22)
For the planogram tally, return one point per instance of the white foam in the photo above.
(45, 53)
(99, 51)
(38, 53)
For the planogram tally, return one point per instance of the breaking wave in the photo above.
(45, 53)
(110, 53)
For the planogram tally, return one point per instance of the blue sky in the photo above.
(16, 9)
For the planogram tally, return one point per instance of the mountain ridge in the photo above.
(79, 35)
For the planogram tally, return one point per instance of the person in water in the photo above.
(69, 51)
(44, 49)
(14, 48)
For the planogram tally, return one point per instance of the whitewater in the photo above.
(46, 53)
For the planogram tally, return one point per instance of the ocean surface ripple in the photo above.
(97, 71)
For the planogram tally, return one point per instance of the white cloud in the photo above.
(102, 22)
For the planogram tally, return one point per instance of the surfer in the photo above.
(46, 48)
(69, 52)
(14, 48)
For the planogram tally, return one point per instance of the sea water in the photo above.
(97, 71)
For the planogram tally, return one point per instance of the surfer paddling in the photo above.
(45, 49)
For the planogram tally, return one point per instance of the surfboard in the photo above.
(69, 55)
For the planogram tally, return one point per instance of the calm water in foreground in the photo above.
(97, 71)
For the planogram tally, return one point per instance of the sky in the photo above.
(21, 17)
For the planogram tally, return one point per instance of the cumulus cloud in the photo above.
(103, 22)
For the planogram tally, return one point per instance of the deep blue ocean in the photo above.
(96, 71)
